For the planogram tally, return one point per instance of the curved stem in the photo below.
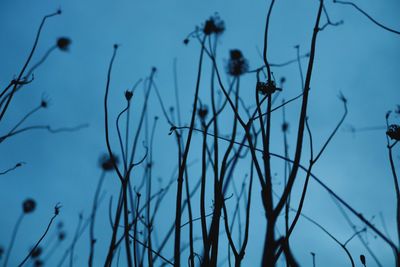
(13, 236)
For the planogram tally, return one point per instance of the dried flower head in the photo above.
(106, 163)
(285, 127)
(57, 209)
(393, 132)
(63, 43)
(267, 88)
(128, 95)
(214, 25)
(36, 252)
(237, 64)
(29, 205)
(202, 112)
(342, 97)
(38, 263)
(45, 101)
(61, 235)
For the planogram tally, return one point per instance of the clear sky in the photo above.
(356, 58)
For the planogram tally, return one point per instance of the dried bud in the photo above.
(29, 205)
(285, 127)
(36, 252)
(106, 163)
(128, 95)
(362, 259)
(63, 43)
(394, 132)
(44, 104)
(38, 263)
(61, 236)
(19, 164)
(57, 209)
(172, 130)
(202, 112)
(237, 64)
(342, 97)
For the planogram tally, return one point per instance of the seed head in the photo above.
(394, 132)
(43, 104)
(61, 235)
(29, 205)
(285, 127)
(202, 112)
(267, 88)
(38, 263)
(237, 64)
(63, 43)
(106, 163)
(36, 252)
(128, 95)
(214, 25)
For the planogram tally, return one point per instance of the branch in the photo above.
(44, 127)
(366, 14)
(56, 212)
(19, 164)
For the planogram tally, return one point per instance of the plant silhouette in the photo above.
(237, 154)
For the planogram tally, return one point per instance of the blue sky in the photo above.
(357, 58)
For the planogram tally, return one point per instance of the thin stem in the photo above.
(395, 181)
(27, 62)
(92, 239)
(30, 113)
(367, 15)
(19, 164)
(153, 251)
(13, 236)
(41, 238)
(44, 127)
(182, 168)
(342, 245)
